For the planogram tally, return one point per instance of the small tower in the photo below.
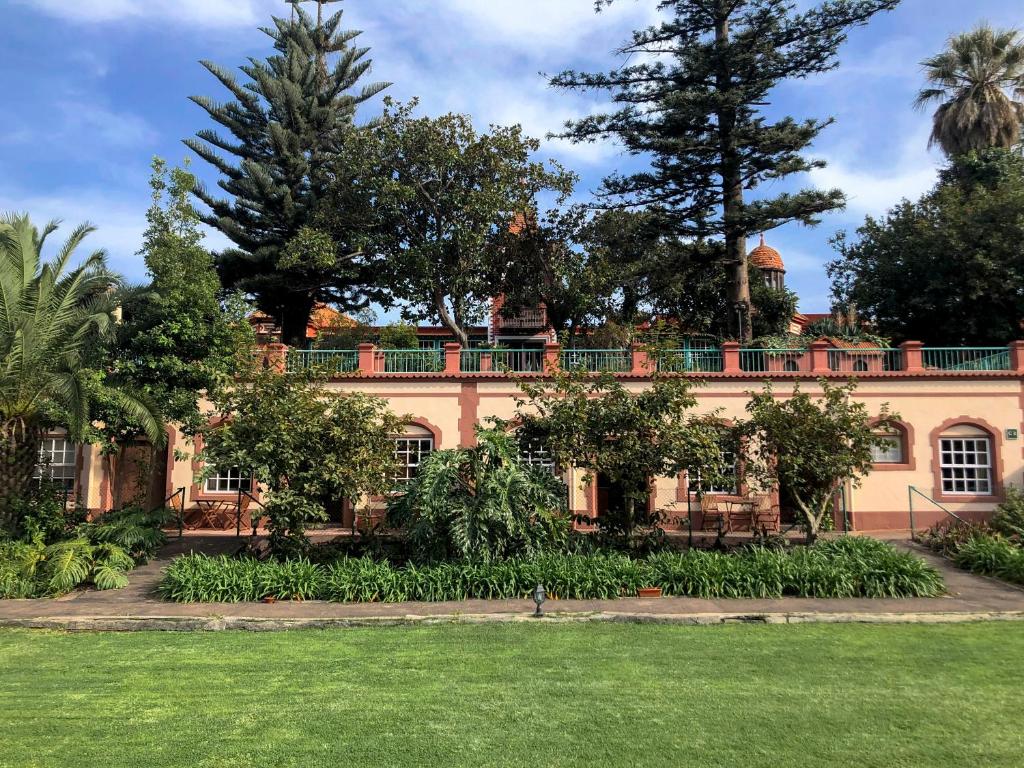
(769, 262)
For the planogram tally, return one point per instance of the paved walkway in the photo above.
(971, 598)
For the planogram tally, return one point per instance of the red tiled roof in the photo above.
(766, 257)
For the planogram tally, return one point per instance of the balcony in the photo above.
(535, 319)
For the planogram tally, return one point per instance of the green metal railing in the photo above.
(966, 358)
(408, 361)
(691, 360)
(331, 360)
(775, 361)
(501, 360)
(857, 360)
(911, 492)
(597, 360)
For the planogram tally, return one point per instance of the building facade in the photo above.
(954, 447)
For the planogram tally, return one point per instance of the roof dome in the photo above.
(766, 257)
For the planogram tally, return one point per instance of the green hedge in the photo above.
(840, 568)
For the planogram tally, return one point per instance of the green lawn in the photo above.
(511, 695)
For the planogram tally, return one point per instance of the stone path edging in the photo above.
(251, 624)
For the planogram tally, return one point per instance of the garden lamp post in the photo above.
(539, 596)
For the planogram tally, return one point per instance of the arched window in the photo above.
(860, 365)
(791, 365)
(966, 461)
(411, 450)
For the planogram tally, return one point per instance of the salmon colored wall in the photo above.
(453, 407)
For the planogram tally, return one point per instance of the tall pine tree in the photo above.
(293, 113)
(694, 102)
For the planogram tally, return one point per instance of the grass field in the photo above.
(513, 695)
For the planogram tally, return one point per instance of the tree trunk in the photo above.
(449, 321)
(295, 320)
(19, 455)
(732, 192)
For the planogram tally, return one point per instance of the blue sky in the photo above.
(95, 88)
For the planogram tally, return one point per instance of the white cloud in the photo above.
(871, 185)
(216, 13)
(120, 221)
(546, 23)
(73, 125)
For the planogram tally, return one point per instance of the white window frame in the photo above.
(231, 479)
(63, 472)
(884, 455)
(733, 490)
(965, 465)
(410, 452)
(537, 455)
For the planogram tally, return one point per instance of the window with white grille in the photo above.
(56, 462)
(227, 481)
(966, 465)
(536, 455)
(410, 453)
(727, 471)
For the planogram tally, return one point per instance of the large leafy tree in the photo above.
(294, 112)
(693, 99)
(810, 446)
(947, 269)
(978, 83)
(597, 424)
(545, 260)
(55, 320)
(619, 269)
(443, 197)
(306, 445)
(177, 341)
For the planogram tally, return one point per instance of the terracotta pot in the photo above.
(649, 592)
(268, 599)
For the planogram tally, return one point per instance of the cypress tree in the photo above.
(694, 102)
(294, 112)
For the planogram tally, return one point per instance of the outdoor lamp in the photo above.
(539, 596)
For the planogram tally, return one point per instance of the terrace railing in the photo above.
(775, 361)
(502, 360)
(862, 360)
(708, 360)
(333, 361)
(966, 358)
(819, 359)
(408, 361)
(597, 360)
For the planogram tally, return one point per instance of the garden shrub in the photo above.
(1009, 517)
(52, 559)
(851, 567)
(482, 503)
(992, 556)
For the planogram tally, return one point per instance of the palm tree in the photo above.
(54, 320)
(978, 82)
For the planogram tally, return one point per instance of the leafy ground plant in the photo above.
(99, 553)
(854, 567)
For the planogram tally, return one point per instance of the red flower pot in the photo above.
(649, 592)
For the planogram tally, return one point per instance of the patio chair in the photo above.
(766, 515)
(711, 517)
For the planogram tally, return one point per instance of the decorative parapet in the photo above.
(820, 359)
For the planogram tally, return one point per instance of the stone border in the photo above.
(250, 624)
